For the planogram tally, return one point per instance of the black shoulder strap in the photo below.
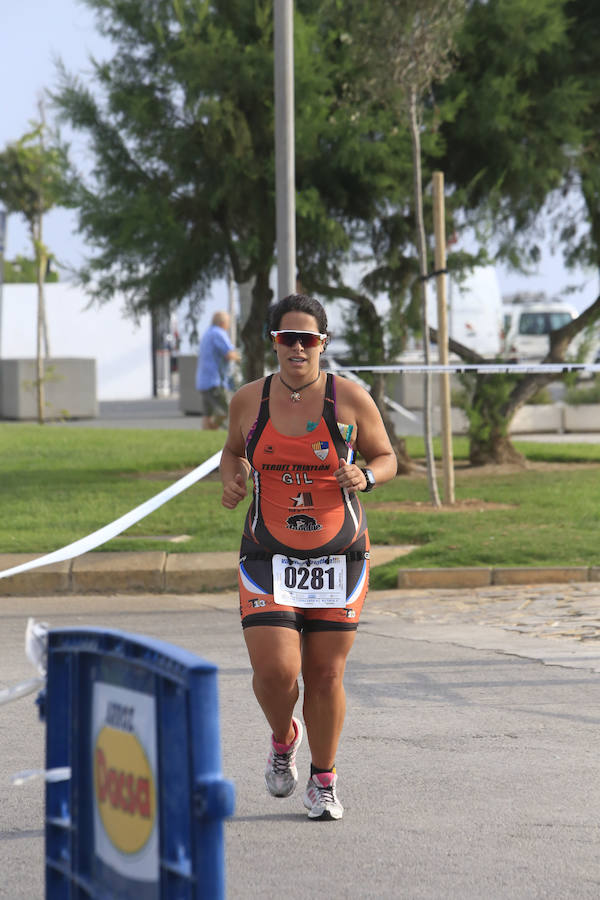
(266, 388)
(261, 419)
(329, 401)
(329, 388)
(329, 414)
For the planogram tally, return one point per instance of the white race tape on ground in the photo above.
(7, 695)
(61, 773)
(83, 545)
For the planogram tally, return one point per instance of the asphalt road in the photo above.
(468, 765)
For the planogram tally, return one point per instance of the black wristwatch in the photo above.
(370, 480)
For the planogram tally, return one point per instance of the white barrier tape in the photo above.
(485, 368)
(83, 545)
(36, 645)
(7, 695)
(61, 773)
(335, 367)
(36, 650)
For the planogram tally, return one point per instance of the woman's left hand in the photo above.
(350, 477)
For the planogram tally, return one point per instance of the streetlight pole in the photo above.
(285, 175)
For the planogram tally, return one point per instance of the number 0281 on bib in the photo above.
(309, 582)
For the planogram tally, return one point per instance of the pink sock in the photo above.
(324, 778)
(283, 748)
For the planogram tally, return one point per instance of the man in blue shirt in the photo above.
(212, 374)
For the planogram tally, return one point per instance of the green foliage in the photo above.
(32, 175)
(541, 397)
(181, 126)
(180, 122)
(581, 395)
(523, 114)
(24, 271)
(484, 405)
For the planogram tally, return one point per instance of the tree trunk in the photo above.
(489, 440)
(41, 322)
(422, 248)
(498, 449)
(253, 338)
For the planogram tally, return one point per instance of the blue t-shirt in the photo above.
(212, 370)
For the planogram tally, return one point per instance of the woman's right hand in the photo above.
(233, 492)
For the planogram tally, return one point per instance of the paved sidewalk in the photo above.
(555, 624)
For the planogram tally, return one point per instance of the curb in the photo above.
(158, 572)
(481, 577)
(122, 572)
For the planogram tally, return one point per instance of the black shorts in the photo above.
(257, 606)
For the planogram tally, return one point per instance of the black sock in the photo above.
(316, 771)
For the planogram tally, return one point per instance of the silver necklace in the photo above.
(295, 392)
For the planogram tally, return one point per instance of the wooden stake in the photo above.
(439, 226)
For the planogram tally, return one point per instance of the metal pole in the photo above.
(2, 244)
(285, 176)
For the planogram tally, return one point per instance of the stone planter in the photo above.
(537, 419)
(583, 417)
(70, 389)
(189, 398)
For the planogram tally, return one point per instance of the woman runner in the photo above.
(304, 557)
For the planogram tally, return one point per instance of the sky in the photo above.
(34, 32)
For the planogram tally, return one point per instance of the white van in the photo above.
(528, 321)
(474, 311)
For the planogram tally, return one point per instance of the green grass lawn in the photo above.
(59, 484)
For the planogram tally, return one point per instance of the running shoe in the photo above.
(320, 797)
(281, 774)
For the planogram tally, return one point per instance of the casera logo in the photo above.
(124, 788)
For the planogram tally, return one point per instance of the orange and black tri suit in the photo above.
(299, 510)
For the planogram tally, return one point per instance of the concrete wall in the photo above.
(121, 347)
(70, 389)
(407, 390)
(583, 417)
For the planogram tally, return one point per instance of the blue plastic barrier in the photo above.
(137, 721)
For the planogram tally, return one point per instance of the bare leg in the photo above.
(276, 660)
(324, 656)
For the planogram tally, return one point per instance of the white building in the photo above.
(121, 347)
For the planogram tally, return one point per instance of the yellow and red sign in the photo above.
(125, 767)
(125, 789)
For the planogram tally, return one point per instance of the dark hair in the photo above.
(297, 303)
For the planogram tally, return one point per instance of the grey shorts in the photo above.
(215, 402)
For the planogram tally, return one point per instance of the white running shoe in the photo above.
(320, 797)
(281, 774)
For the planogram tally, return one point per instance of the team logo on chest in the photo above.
(320, 449)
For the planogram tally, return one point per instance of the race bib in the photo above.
(310, 583)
